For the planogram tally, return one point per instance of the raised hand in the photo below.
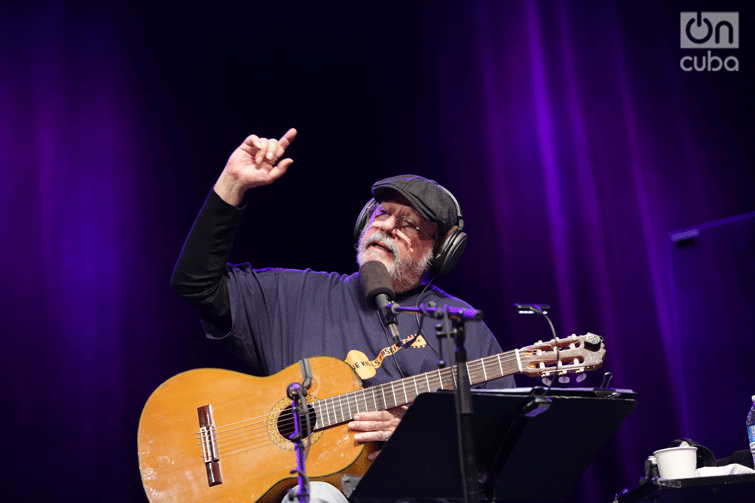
(257, 161)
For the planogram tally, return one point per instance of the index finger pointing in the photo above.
(287, 138)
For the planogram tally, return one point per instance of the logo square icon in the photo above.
(709, 30)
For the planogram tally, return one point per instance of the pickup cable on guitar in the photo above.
(419, 317)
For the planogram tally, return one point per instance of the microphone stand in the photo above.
(299, 408)
(453, 326)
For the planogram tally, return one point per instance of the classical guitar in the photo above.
(217, 435)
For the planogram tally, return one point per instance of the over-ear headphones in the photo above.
(448, 250)
(705, 456)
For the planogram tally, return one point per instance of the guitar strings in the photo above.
(223, 435)
(476, 370)
(254, 440)
(237, 428)
(369, 401)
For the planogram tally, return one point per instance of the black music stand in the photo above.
(421, 459)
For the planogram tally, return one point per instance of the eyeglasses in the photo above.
(405, 224)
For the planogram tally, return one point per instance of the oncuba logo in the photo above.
(709, 30)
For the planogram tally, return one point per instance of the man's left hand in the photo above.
(376, 426)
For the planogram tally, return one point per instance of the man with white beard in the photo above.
(273, 318)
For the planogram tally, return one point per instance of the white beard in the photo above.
(404, 274)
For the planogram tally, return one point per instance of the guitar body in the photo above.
(254, 460)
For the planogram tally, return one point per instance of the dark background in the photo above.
(571, 137)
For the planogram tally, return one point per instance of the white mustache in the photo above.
(384, 240)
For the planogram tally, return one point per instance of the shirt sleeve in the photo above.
(199, 276)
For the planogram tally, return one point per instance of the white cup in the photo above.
(677, 462)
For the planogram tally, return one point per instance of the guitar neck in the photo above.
(342, 408)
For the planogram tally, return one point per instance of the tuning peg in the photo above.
(546, 380)
(593, 341)
(581, 377)
(564, 379)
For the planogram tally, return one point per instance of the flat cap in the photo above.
(430, 200)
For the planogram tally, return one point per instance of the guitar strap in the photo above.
(306, 373)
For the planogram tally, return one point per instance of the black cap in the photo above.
(430, 200)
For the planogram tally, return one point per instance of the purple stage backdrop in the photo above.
(579, 137)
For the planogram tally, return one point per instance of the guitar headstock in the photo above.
(575, 354)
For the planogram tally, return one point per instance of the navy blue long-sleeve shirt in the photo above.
(272, 318)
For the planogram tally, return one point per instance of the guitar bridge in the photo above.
(209, 443)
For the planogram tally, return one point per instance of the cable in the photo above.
(420, 330)
(390, 343)
(419, 318)
(542, 310)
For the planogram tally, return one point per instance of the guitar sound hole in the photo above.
(286, 422)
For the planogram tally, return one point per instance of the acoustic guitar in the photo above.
(222, 436)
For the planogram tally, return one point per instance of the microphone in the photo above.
(294, 389)
(377, 288)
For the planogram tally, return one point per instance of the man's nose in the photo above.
(389, 224)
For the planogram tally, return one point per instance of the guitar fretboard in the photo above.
(342, 408)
